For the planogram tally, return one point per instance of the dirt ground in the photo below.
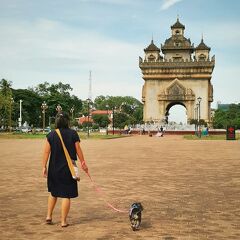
(189, 190)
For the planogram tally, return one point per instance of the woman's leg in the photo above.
(65, 210)
(51, 204)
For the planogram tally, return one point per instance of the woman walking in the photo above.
(59, 178)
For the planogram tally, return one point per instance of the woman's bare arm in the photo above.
(46, 154)
(81, 157)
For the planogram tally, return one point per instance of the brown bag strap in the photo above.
(69, 160)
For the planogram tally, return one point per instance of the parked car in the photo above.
(38, 129)
(25, 129)
(47, 129)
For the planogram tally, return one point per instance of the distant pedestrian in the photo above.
(206, 131)
(126, 129)
(161, 130)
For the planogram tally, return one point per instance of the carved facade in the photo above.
(179, 73)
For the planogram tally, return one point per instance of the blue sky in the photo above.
(62, 40)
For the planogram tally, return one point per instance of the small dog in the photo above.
(135, 215)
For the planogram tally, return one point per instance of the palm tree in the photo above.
(5, 101)
(5, 88)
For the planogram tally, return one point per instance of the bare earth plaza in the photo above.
(189, 190)
(152, 116)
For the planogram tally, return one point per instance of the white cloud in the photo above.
(46, 50)
(169, 3)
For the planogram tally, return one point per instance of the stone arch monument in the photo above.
(179, 73)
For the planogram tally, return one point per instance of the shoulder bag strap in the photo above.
(69, 160)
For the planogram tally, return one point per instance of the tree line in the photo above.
(128, 110)
(231, 116)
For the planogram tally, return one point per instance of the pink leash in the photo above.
(99, 191)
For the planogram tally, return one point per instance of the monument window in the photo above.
(177, 32)
(151, 58)
(177, 44)
(202, 57)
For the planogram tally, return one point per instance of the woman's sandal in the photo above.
(66, 225)
(49, 221)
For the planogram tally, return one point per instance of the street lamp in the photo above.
(71, 111)
(20, 113)
(113, 116)
(199, 114)
(44, 107)
(10, 113)
(49, 120)
(58, 108)
(107, 106)
(195, 119)
(88, 105)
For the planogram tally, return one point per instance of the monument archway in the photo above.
(179, 73)
(170, 114)
(176, 93)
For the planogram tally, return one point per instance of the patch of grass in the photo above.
(97, 135)
(210, 137)
(22, 136)
(82, 135)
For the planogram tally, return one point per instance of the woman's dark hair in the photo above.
(62, 120)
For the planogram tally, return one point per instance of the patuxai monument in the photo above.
(177, 74)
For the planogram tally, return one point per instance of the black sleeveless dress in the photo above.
(60, 182)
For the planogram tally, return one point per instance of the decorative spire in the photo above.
(202, 45)
(152, 47)
(177, 24)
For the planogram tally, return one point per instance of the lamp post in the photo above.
(113, 118)
(198, 122)
(199, 115)
(88, 106)
(107, 106)
(58, 108)
(44, 107)
(71, 111)
(196, 118)
(20, 114)
(10, 113)
(49, 121)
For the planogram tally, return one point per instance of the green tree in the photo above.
(231, 116)
(101, 120)
(87, 106)
(121, 119)
(31, 106)
(131, 107)
(54, 94)
(6, 102)
(101, 102)
(1, 100)
(5, 88)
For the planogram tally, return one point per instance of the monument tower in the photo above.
(178, 74)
